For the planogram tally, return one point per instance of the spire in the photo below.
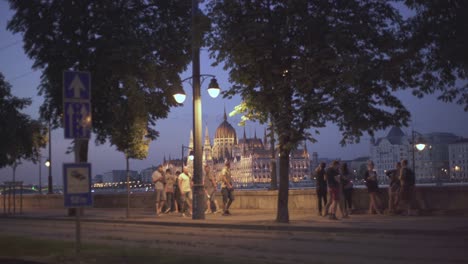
(245, 137)
(164, 160)
(255, 133)
(265, 142)
(306, 154)
(225, 116)
(207, 137)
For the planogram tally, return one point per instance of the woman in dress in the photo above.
(370, 178)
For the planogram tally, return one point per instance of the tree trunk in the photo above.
(81, 150)
(283, 193)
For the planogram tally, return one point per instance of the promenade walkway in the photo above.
(265, 220)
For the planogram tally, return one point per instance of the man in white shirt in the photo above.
(159, 182)
(185, 187)
(227, 188)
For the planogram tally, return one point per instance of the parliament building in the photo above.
(250, 157)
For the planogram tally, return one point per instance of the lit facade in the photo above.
(458, 154)
(430, 164)
(250, 157)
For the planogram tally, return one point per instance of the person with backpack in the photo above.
(333, 181)
(407, 183)
(393, 188)
(321, 188)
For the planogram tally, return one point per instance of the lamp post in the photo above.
(419, 146)
(213, 90)
(49, 161)
(40, 174)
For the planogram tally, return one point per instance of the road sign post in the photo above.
(77, 126)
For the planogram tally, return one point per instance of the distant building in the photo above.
(458, 153)
(119, 176)
(434, 159)
(387, 151)
(250, 157)
(396, 146)
(98, 178)
(145, 174)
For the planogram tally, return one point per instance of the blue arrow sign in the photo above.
(77, 120)
(77, 185)
(76, 85)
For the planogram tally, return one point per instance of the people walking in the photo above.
(185, 192)
(159, 182)
(393, 188)
(333, 178)
(407, 183)
(227, 189)
(321, 187)
(210, 190)
(347, 187)
(170, 180)
(370, 178)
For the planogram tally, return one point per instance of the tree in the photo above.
(130, 133)
(305, 63)
(142, 42)
(437, 58)
(21, 136)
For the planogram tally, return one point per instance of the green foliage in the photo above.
(130, 133)
(304, 63)
(437, 58)
(142, 43)
(21, 136)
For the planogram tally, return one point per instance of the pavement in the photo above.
(254, 219)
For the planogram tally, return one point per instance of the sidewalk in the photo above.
(264, 220)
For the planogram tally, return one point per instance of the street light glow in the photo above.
(213, 88)
(47, 163)
(420, 146)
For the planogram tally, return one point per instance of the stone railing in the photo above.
(445, 199)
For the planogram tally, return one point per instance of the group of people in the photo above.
(174, 193)
(334, 188)
(336, 182)
(400, 190)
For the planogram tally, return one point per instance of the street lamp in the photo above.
(420, 146)
(49, 162)
(40, 174)
(198, 191)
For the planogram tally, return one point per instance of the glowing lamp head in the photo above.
(213, 88)
(180, 96)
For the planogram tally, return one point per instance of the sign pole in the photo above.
(77, 122)
(78, 232)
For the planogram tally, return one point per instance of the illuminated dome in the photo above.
(225, 130)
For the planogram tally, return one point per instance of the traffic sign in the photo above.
(77, 120)
(77, 185)
(76, 85)
(77, 104)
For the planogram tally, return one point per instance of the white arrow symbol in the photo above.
(77, 86)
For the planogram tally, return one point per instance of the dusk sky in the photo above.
(428, 115)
